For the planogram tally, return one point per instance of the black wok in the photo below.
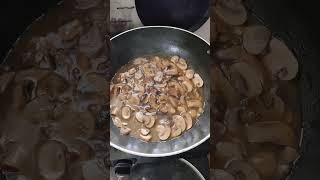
(161, 40)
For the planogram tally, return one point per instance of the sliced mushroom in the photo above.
(124, 130)
(117, 122)
(265, 163)
(170, 108)
(150, 121)
(197, 80)
(181, 109)
(243, 169)
(271, 131)
(225, 151)
(173, 101)
(246, 79)
(188, 119)
(138, 74)
(145, 138)
(132, 71)
(175, 131)
(179, 122)
(175, 59)
(144, 131)
(140, 117)
(139, 61)
(189, 73)
(139, 88)
(232, 12)
(158, 77)
(187, 84)
(171, 69)
(194, 103)
(219, 174)
(193, 113)
(182, 64)
(126, 112)
(280, 61)
(256, 39)
(163, 132)
(52, 160)
(115, 110)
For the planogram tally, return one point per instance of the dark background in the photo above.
(294, 20)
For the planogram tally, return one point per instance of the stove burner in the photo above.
(186, 14)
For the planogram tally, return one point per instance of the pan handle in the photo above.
(122, 168)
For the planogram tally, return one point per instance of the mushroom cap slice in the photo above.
(189, 73)
(124, 130)
(52, 159)
(280, 61)
(149, 121)
(174, 59)
(188, 119)
(256, 39)
(117, 122)
(144, 131)
(232, 12)
(179, 122)
(275, 132)
(246, 79)
(145, 138)
(265, 163)
(182, 64)
(245, 169)
(225, 151)
(163, 132)
(175, 131)
(197, 80)
(140, 117)
(219, 174)
(126, 112)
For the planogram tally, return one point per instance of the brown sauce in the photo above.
(163, 95)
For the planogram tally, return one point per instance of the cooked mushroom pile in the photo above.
(156, 98)
(53, 88)
(256, 128)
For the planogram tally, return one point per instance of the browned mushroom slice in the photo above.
(163, 132)
(126, 112)
(117, 122)
(280, 61)
(170, 108)
(173, 101)
(271, 131)
(179, 122)
(197, 80)
(246, 79)
(145, 138)
(115, 110)
(140, 117)
(175, 131)
(232, 12)
(219, 174)
(158, 77)
(5, 79)
(51, 160)
(226, 151)
(144, 131)
(288, 155)
(243, 169)
(138, 74)
(187, 83)
(125, 130)
(189, 73)
(171, 69)
(188, 119)
(182, 64)
(265, 163)
(174, 59)
(193, 113)
(194, 104)
(150, 121)
(256, 39)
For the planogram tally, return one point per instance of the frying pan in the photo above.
(163, 40)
